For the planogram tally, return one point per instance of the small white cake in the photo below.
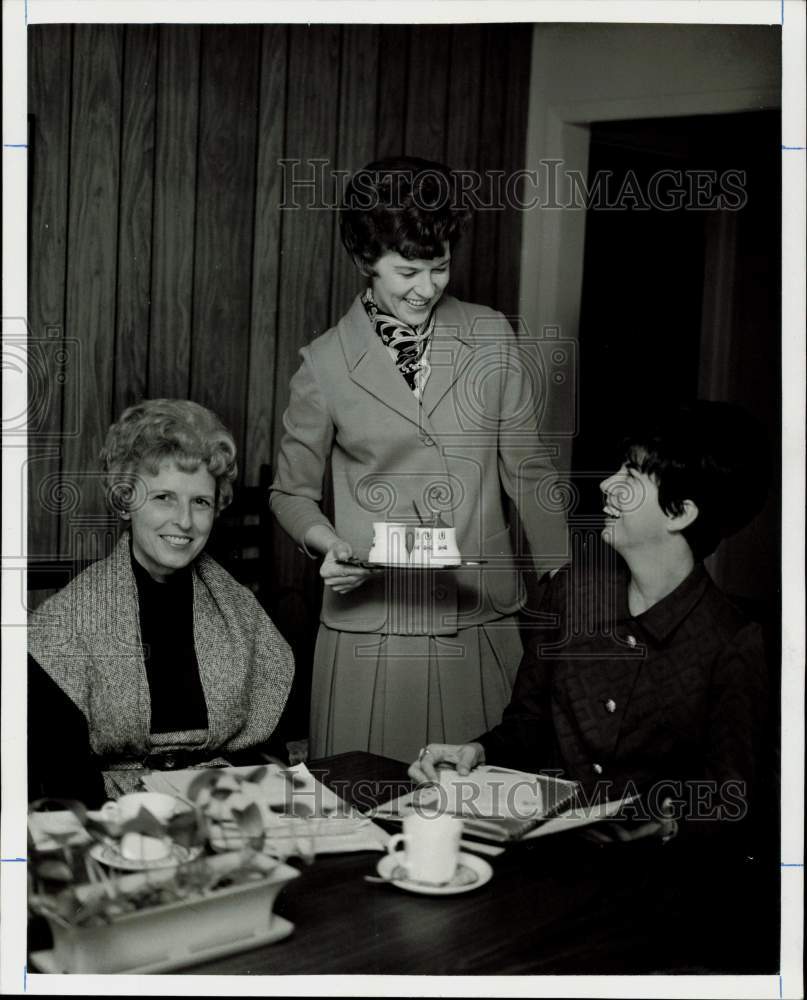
(389, 544)
(435, 546)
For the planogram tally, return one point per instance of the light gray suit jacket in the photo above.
(471, 439)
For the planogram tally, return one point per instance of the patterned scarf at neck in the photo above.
(408, 342)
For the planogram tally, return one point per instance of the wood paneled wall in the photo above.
(161, 263)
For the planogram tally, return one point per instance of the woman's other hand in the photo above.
(663, 828)
(464, 756)
(342, 579)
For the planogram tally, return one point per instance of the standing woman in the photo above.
(424, 406)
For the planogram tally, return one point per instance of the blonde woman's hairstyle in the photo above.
(154, 430)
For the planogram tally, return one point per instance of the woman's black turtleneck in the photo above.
(166, 630)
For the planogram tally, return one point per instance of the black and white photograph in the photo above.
(403, 499)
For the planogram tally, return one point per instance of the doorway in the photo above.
(681, 296)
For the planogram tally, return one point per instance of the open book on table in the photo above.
(501, 804)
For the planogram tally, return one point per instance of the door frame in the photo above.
(740, 75)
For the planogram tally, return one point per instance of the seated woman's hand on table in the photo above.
(463, 756)
(664, 827)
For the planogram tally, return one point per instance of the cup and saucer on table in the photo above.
(431, 861)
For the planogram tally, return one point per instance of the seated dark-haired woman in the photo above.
(154, 657)
(649, 680)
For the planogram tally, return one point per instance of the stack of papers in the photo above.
(322, 823)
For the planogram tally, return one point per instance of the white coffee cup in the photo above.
(137, 846)
(431, 847)
(389, 544)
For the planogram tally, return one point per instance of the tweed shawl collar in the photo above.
(87, 638)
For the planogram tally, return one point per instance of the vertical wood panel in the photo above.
(225, 199)
(357, 116)
(235, 285)
(311, 117)
(136, 203)
(462, 137)
(427, 91)
(490, 158)
(514, 140)
(266, 261)
(49, 69)
(92, 250)
(393, 71)
(174, 210)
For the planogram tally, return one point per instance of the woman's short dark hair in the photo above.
(149, 432)
(714, 454)
(401, 204)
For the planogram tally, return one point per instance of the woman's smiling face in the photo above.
(410, 289)
(633, 516)
(173, 517)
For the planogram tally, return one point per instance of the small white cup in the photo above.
(161, 806)
(432, 846)
(389, 544)
(140, 846)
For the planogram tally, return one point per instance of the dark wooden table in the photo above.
(559, 905)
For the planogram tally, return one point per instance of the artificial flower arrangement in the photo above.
(103, 920)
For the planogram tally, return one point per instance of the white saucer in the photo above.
(432, 564)
(467, 865)
(448, 564)
(110, 856)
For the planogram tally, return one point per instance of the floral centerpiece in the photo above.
(211, 895)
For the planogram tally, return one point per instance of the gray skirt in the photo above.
(391, 694)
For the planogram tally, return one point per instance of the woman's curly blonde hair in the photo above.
(157, 429)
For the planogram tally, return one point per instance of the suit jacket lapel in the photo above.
(370, 366)
(450, 352)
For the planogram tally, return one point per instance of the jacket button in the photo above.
(441, 593)
(610, 705)
(597, 768)
(631, 641)
(428, 441)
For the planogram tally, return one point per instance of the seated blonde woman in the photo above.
(154, 657)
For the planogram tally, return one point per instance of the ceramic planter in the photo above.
(161, 938)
